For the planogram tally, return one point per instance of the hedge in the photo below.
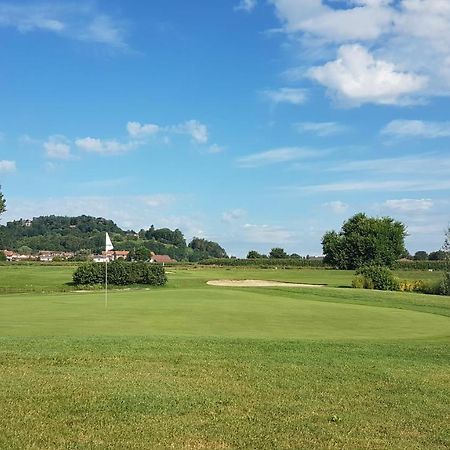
(265, 262)
(120, 273)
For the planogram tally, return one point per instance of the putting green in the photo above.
(210, 312)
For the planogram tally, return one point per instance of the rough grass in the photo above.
(199, 367)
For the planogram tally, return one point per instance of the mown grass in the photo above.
(57, 278)
(203, 393)
(199, 367)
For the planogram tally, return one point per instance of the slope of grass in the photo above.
(192, 366)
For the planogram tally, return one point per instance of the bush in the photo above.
(377, 277)
(412, 286)
(445, 284)
(120, 273)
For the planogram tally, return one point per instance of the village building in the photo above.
(161, 259)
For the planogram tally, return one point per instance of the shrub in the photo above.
(445, 284)
(412, 286)
(377, 277)
(120, 273)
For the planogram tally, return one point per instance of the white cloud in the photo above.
(57, 147)
(197, 130)
(320, 128)
(7, 166)
(278, 155)
(233, 215)
(367, 21)
(413, 36)
(417, 129)
(375, 186)
(408, 205)
(293, 96)
(266, 234)
(103, 146)
(138, 130)
(337, 207)
(246, 5)
(80, 21)
(407, 165)
(356, 77)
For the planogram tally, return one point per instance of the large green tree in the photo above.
(2, 202)
(278, 253)
(365, 240)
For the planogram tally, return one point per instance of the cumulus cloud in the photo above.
(417, 129)
(7, 166)
(57, 147)
(293, 96)
(138, 130)
(80, 21)
(411, 36)
(356, 77)
(197, 130)
(320, 128)
(103, 146)
(275, 156)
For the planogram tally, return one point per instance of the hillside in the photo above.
(86, 234)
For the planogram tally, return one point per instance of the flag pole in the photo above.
(108, 248)
(106, 280)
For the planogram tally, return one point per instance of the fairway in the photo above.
(211, 312)
(194, 366)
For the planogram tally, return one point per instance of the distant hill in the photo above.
(87, 234)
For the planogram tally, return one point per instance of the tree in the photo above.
(253, 254)
(420, 256)
(365, 240)
(139, 254)
(207, 249)
(2, 203)
(438, 255)
(445, 284)
(277, 253)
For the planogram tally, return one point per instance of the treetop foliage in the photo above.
(365, 240)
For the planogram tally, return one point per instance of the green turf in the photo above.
(200, 367)
(217, 312)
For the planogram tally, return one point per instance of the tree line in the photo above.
(84, 235)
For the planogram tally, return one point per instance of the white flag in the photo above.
(108, 245)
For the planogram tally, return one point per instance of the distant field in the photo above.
(51, 278)
(200, 367)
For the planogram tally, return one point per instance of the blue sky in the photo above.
(253, 123)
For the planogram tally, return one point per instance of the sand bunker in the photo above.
(258, 283)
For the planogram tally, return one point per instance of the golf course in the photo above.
(197, 366)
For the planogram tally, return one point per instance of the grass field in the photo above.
(200, 367)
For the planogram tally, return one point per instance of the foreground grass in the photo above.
(192, 366)
(203, 393)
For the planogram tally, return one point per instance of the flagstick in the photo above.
(106, 282)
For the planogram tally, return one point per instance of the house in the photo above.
(47, 256)
(161, 259)
(116, 254)
(111, 255)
